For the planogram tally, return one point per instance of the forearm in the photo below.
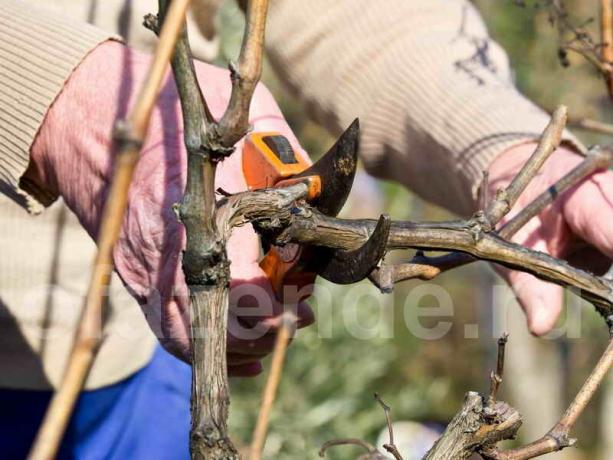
(433, 92)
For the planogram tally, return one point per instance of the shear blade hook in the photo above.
(348, 267)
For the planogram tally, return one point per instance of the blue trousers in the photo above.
(145, 416)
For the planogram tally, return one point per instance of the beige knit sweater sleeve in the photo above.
(38, 51)
(434, 93)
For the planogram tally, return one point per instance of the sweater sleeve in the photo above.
(38, 51)
(434, 93)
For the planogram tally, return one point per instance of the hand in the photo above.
(578, 226)
(72, 157)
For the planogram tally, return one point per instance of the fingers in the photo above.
(255, 313)
(245, 370)
(238, 359)
(249, 343)
(582, 214)
(252, 297)
(588, 209)
(254, 302)
(586, 257)
(243, 251)
(304, 316)
(541, 301)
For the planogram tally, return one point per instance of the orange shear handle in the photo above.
(268, 161)
(287, 282)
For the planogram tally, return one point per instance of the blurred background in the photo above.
(334, 368)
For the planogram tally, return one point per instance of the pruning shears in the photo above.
(269, 160)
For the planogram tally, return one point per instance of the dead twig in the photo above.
(496, 376)
(390, 446)
(606, 37)
(595, 126)
(372, 452)
(577, 39)
(129, 136)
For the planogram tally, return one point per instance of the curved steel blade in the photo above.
(337, 171)
(347, 267)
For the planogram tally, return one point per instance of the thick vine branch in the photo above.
(474, 427)
(205, 261)
(297, 222)
(311, 227)
(428, 267)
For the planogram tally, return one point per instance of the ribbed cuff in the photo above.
(38, 51)
(444, 151)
